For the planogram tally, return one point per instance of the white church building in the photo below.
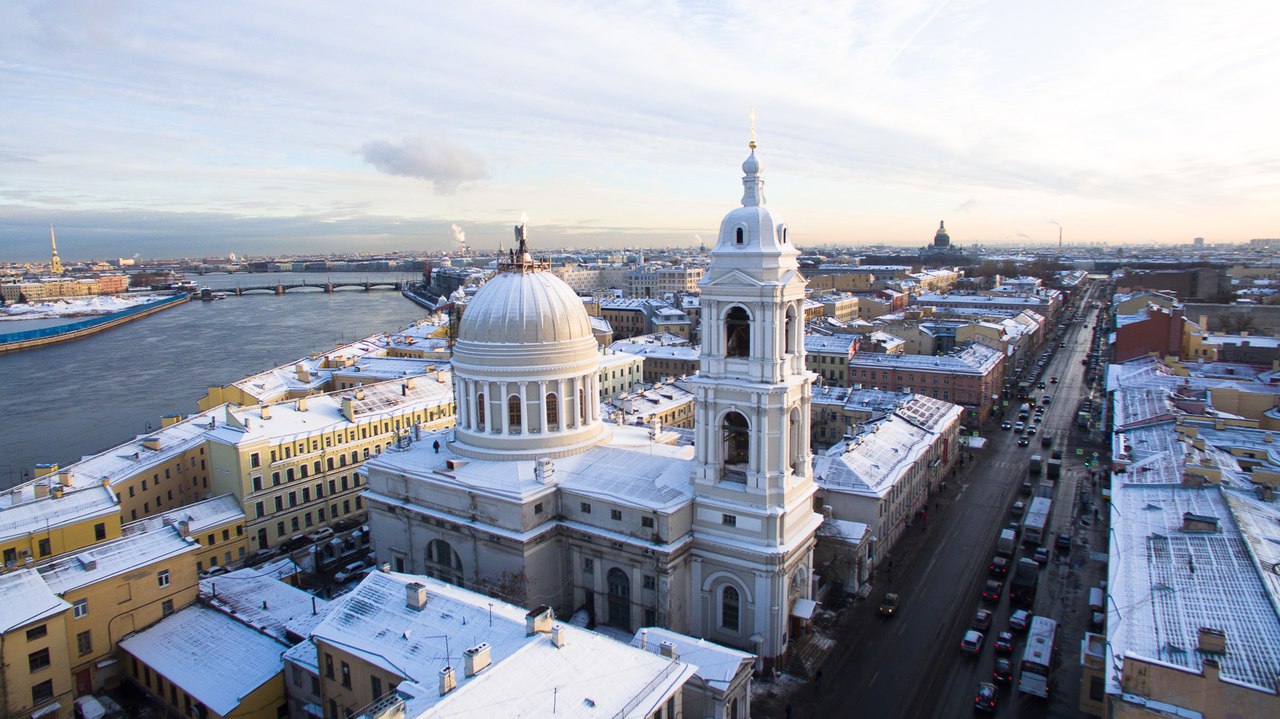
(533, 498)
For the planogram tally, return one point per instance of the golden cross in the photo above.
(752, 117)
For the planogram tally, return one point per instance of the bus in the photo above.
(1037, 523)
(1037, 658)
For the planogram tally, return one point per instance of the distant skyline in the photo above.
(193, 129)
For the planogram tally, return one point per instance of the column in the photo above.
(502, 407)
(464, 408)
(563, 405)
(490, 422)
(524, 409)
(542, 406)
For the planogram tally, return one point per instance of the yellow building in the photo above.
(34, 667)
(202, 663)
(217, 524)
(117, 588)
(50, 524)
(293, 465)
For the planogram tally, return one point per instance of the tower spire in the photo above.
(55, 265)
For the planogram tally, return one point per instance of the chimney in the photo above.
(266, 411)
(1199, 523)
(302, 404)
(44, 469)
(1211, 641)
(41, 489)
(447, 680)
(668, 650)
(644, 638)
(538, 620)
(303, 374)
(416, 595)
(360, 393)
(151, 443)
(184, 527)
(1211, 669)
(64, 477)
(476, 658)
(557, 635)
(349, 409)
(57, 492)
(169, 420)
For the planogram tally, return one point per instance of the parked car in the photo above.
(214, 571)
(1004, 643)
(1026, 488)
(981, 620)
(319, 534)
(266, 553)
(1020, 620)
(992, 590)
(972, 642)
(1063, 543)
(349, 571)
(985, 699)
(889, 605)
(999, 567)
(1003, 671)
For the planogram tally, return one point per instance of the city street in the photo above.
(911, 665)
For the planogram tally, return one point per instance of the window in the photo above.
(650, 581)
(80, 608)
(537, 508)
(737, 333)
(586, 508)
(328, 666)
(100, 531)
(37, 632)
(729, 600)
(43, 548)
(257, 484)
(166, 607)
(739, 236)
(162, 578)
(84, 642)
(615, 515)
(259, 509)
(513, 412)
(255, 460)
(38, 660)
(553, 412)
(346, 675)
(375, 684)
(729, 520)
(646, 522)
(588, 565)
(293, 522)
(42, 692)
(279, 502)
(275, 478)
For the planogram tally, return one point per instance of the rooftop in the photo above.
(110, 559)
(45, 513)
(199, 516)
(263, 602)
(26, 598)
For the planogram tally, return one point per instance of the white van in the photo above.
(88, 707)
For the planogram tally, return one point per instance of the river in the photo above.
(61, 402)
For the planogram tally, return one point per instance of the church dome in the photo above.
(523, 308)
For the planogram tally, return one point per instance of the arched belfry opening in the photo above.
(736, 447)
(737, 333)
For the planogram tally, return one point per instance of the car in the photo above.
(1015, 525)
(992, 590)
(1046, 441)
(1053, 380)
(1040, 385)
(1031, 430)
(266, 553)
(1026, 488)
(1042, 555)
(1063, 543)
(1020, 505)
(1047, 399)
(214, 571)
(999, 567)
(981, 620)
(985, 699)
(972, 642)
(1023, 441)
(889, 605)
(1006, 425)
(319, 534)
(1003, 671)
(1004, 643)
(1020, 620)
(1019, 426)
(349, 571)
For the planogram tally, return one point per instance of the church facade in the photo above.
(533, 498)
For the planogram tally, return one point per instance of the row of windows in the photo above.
(335, 486)
(304, 470)
(287, 451)
(297, 524)
(159, 499)
(616, 515)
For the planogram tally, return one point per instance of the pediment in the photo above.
(734, 278)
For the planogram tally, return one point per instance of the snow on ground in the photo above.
(73, 307)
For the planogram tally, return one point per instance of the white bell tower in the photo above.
(754, 519)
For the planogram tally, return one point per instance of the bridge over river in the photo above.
(325, 287)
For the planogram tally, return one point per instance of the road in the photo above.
(910, 666)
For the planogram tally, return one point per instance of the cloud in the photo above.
(443, 163)
(968, 205)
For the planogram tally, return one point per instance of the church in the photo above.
(534, 498)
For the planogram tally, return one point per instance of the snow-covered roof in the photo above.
(1167, 579)
(262, 601)
(109, 559)
(830, 344)
(45, 513)
(199, 516)
(212, 657)
(26, 598)
(874, 461)
(717, 664)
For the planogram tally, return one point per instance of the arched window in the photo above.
(443, 562)
(619, 599)
(480, 425)
(740, 236)
(789, 331)
(737, 333)
(513, 412)
(553, 412)
(733, 709)
(736, 447)
(729, 608)
(795, 443)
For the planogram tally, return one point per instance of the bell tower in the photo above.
(754, 522)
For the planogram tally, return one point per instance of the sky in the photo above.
(171, 129)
